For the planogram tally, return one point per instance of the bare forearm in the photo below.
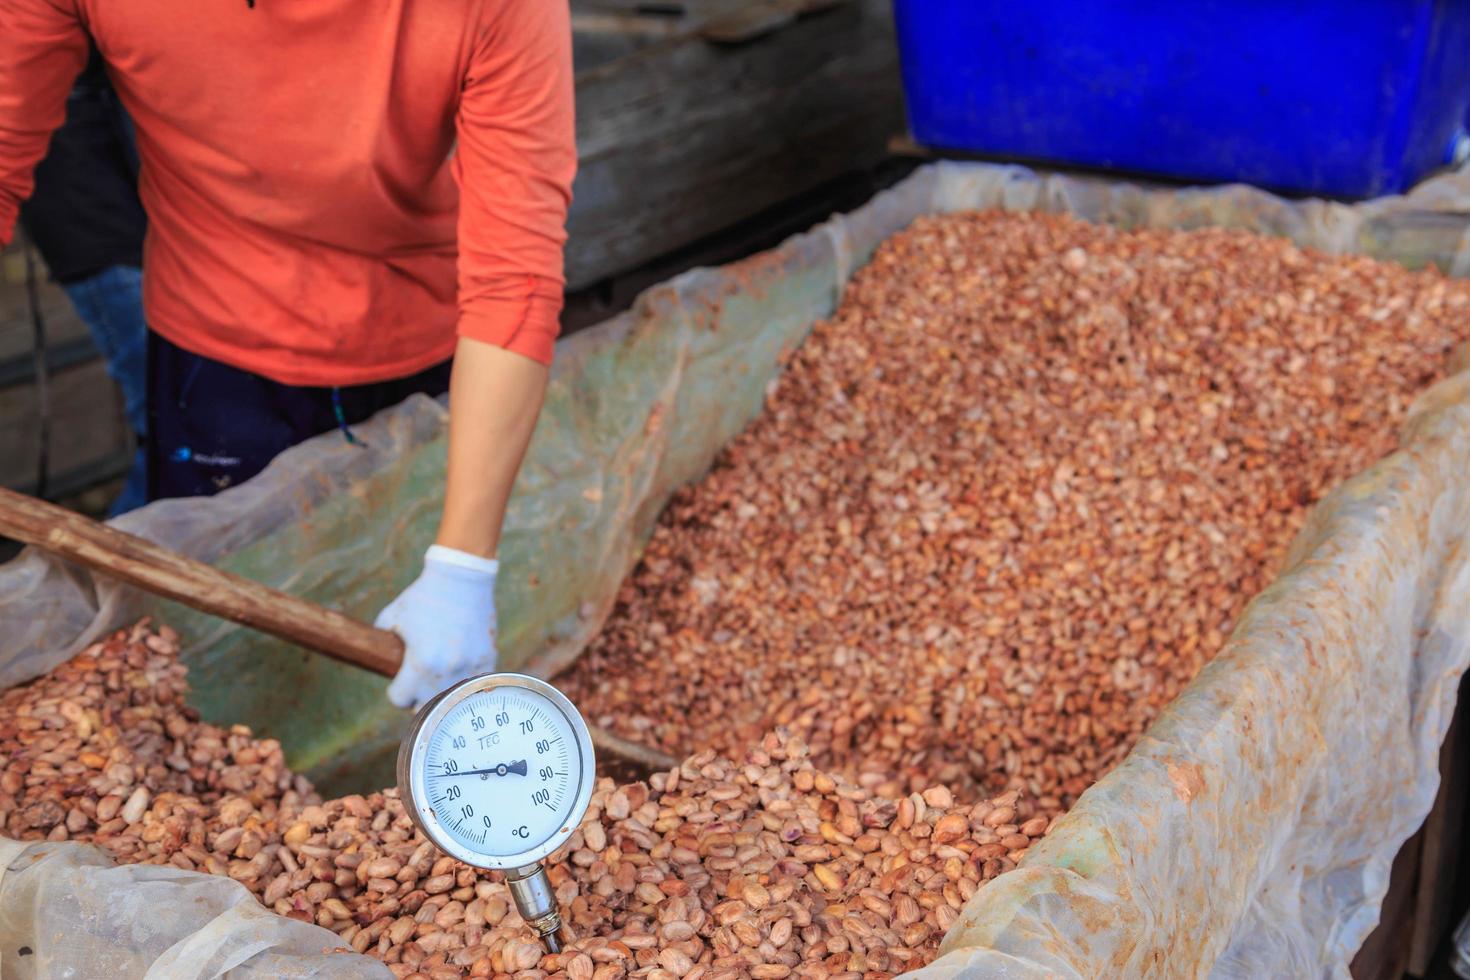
(495, 397)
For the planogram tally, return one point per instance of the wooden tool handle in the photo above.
(163, 572)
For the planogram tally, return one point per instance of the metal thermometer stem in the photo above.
(535, 901)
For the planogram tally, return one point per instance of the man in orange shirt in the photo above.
(342, 195)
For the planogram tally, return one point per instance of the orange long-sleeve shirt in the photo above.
(312, 168)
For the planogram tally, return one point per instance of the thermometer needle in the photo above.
(518, 767)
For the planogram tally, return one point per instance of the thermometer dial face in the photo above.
(498, 770)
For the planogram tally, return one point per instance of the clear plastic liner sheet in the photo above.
(1246, 835)
(67, 912)
(1251, 831)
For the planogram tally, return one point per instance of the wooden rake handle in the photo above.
(162, 572)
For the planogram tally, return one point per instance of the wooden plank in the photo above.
(758, 233)
(1444, 840)
(87, 424)
(89, 433)
(1385, 953)
(748, 23)
(751, 20)
(684, 138)
(903, 145)
(637, 25)
(16, 335)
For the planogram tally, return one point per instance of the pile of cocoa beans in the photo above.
(1008, 499)
(760, 867)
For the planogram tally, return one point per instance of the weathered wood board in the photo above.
(1445, 831)
(89, 436)
(686, 136)
(87, 428)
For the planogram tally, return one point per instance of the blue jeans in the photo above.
(110, 303)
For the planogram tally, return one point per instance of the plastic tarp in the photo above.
(1251, 831)
(638, 407)
(1244, 831)
(66, 911)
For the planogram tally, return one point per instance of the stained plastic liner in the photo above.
(1250, 832)
(66, 911)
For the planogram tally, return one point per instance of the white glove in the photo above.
(447, 621)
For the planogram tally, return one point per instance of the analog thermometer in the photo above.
(497, 772)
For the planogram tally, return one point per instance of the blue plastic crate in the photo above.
(1346, 99)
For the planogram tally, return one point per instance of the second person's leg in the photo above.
(110, 303)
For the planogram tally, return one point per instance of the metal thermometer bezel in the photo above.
(415, 746)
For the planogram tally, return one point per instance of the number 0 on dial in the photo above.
(497, 771)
